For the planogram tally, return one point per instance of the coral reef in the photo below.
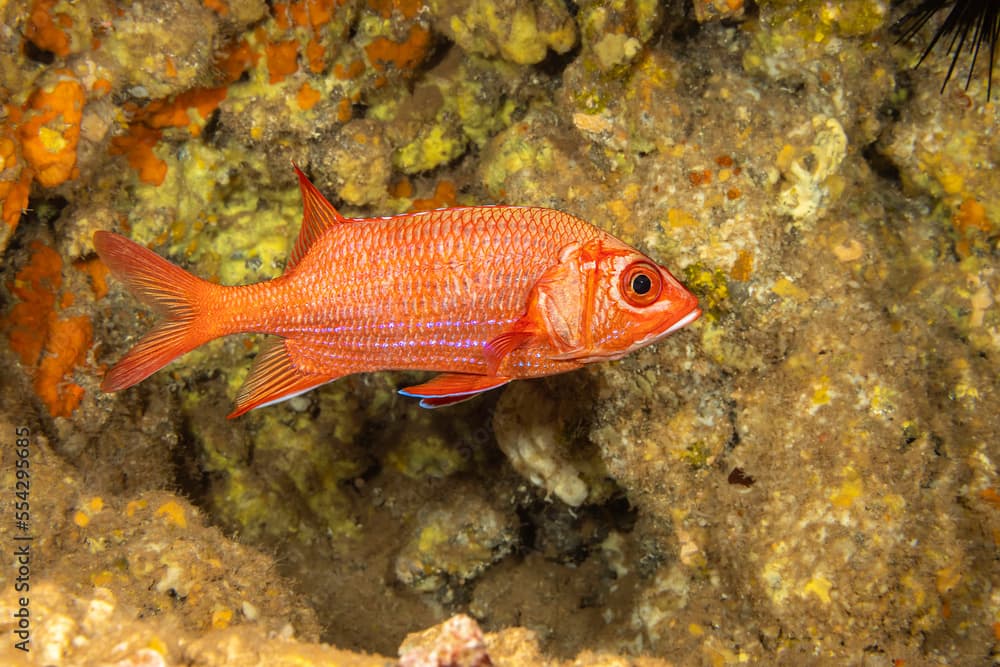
(520, 32)
(807, 474)
(454, 543)
(537, 441)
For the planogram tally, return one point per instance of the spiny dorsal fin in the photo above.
(318, 215)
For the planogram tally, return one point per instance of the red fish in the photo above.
(484, 295)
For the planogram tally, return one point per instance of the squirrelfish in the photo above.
(482, 294)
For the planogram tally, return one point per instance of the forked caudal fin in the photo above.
(176, 295)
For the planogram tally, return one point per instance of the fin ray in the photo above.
(444, 401)
(274, 378)
(498, 348)
(318, 215)
(172, 292)
(450, 388)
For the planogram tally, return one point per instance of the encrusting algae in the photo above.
(820, 447)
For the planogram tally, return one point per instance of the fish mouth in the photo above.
(657, 336)
(683, 322)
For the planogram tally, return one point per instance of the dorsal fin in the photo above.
(318, 215)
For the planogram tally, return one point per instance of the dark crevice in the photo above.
(37, 54)
(555, 64)
(211, 129)
(880, 164)
(189, 474)
(569, 535)
(44, 210)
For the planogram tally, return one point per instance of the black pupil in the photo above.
(641, 284)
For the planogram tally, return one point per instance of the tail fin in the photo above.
(174, 294)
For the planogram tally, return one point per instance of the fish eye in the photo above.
(641, 284)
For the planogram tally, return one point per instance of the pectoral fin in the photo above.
(451, 388)
(498, 348)
(274, 378)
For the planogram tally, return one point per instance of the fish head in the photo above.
(606, 299)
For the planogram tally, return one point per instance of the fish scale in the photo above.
(454, 305)
(483, 295)
(364, 278)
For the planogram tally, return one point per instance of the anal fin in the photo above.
(451, 388)
(274, 378)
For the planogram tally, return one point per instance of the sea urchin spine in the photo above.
(972, 25)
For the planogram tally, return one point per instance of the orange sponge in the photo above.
(33, 325)
(47, 31)
(16, 182)
(51, 129)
